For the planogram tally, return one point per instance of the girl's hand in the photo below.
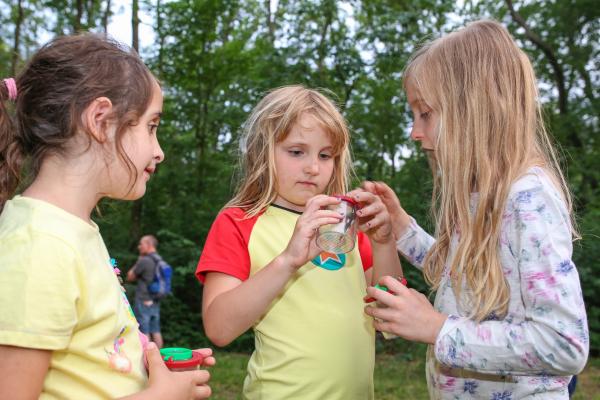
(373, 216)
(404, 312)
(164, 384)
(208, 359)
(400, 218)
(302, 246)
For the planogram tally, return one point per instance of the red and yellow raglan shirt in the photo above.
(314, 341)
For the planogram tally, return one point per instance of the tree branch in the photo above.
(559, 75)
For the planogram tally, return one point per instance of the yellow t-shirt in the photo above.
(58, 292)
(315, 341)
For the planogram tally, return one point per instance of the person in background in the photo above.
(147, 306)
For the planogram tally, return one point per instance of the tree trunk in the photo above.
(135, 229)
(161, 37)
(135, 23)
(270, 21)
(322, 47)
(91, 13)
(17, 43)
(106, 16)
(78, 17)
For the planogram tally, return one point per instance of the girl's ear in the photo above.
(95, 118)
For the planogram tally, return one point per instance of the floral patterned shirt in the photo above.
(544, 338)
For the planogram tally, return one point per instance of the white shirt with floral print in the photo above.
(544, 339)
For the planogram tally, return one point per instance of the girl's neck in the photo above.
(66, 187)
(281, 202)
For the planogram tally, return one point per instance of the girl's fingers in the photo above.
(354, 192)
(207, 351)
(209, 361)
(395, 286)
(374, 220)
(387, 195)
(319, 201)
(318, 222)
(381, 296)
(313, 220)
(364, 197)
(324, 214)
(371, 209)
(200, 377)
(386, 314)
(202, 392)
(369, 186)
(156, 364)
(381, 326)
(383, 190)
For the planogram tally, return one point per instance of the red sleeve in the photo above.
(226, 247)
(364, 248)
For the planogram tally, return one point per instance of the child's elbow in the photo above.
(217, 336)
(219, 341)
(573, 360)
(578, 363)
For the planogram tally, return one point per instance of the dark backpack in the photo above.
(161, 284)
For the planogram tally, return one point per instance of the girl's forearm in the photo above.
(400, 222)
(233, 312)
(385, 261)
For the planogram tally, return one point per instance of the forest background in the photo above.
(217, 58)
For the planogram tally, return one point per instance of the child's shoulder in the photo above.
(40, 224)
(235, 216)
(28, 235)
(536, 183)
(232, 212)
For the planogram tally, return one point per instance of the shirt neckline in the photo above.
(285, 209)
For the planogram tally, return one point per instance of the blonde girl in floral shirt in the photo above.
(508, 320)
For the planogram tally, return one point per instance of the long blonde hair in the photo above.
(269, 123)
(490, 132)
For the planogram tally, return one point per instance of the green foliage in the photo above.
(587, 254)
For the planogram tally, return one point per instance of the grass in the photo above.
(397, 376)
(588, 384)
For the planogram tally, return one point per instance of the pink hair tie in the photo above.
(11, 86)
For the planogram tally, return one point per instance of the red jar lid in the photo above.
(195, 361)
(346, 199)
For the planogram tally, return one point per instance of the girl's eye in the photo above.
(295, 153)
(153, 128)
(325, 156)
(425, 115)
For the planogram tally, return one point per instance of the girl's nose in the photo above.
(312, 167)
(159, 155)
(416, 134)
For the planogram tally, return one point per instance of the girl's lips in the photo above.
(307, 183)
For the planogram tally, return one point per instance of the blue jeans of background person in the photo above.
(572, 385)
(148, 317)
